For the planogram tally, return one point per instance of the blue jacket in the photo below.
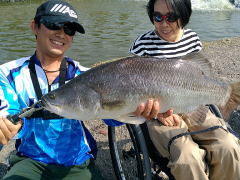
(55, 141)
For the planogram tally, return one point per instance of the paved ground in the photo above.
(224, 56)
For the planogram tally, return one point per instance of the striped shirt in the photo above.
(150, 44)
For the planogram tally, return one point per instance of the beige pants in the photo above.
(213, 155)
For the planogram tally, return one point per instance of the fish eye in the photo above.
(51, 96)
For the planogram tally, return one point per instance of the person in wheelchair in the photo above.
(212, 153)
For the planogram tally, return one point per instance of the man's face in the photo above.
(52, 43)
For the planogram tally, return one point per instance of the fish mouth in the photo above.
(52, 107)
(44, 104)
(40, 104)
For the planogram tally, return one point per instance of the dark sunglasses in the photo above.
(68, 28)
(170, 17)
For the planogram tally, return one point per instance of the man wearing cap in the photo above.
(48, 146)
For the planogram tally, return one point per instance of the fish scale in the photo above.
(115, 89)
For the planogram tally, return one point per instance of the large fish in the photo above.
(114, 90)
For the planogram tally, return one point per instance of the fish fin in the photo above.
(109, 60)
(110, 105)
(233, 102)
(198, 60)
(131, 119)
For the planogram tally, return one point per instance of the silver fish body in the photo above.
(114, 90)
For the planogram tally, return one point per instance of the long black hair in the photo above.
(183, 8)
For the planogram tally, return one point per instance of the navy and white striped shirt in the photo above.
(150, 44)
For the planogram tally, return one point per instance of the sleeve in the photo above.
(9, 101)
(198, 43)
(132, 48)
(112, 122)
(8, 96)
(135, 48)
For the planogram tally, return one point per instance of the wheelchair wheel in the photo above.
(129, 153)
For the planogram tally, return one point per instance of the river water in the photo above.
(111, 26)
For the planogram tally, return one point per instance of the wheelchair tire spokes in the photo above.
(127, 158)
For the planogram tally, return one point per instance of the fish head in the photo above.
(73, 102)
(57, 102)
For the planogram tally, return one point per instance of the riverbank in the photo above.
(224, 56)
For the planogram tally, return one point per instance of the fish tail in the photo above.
(233, 102)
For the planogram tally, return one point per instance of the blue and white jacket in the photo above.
(58, 141)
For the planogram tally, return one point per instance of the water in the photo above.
(111, 26)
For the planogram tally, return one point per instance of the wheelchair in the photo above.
(134, 157)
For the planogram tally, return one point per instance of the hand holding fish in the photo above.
(169, 119)
(7, 129)
(150, 110)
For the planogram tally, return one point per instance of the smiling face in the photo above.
(169, 31)
(51, 43)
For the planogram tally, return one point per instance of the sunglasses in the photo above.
(170, 17)
(68, 28)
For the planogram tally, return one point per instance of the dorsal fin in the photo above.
(199, 61)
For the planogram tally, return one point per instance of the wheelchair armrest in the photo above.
(215, 110)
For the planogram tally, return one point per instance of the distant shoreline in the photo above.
(11, 0)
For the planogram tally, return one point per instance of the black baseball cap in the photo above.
(58, 11)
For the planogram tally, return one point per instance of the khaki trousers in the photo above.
(213, 155)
